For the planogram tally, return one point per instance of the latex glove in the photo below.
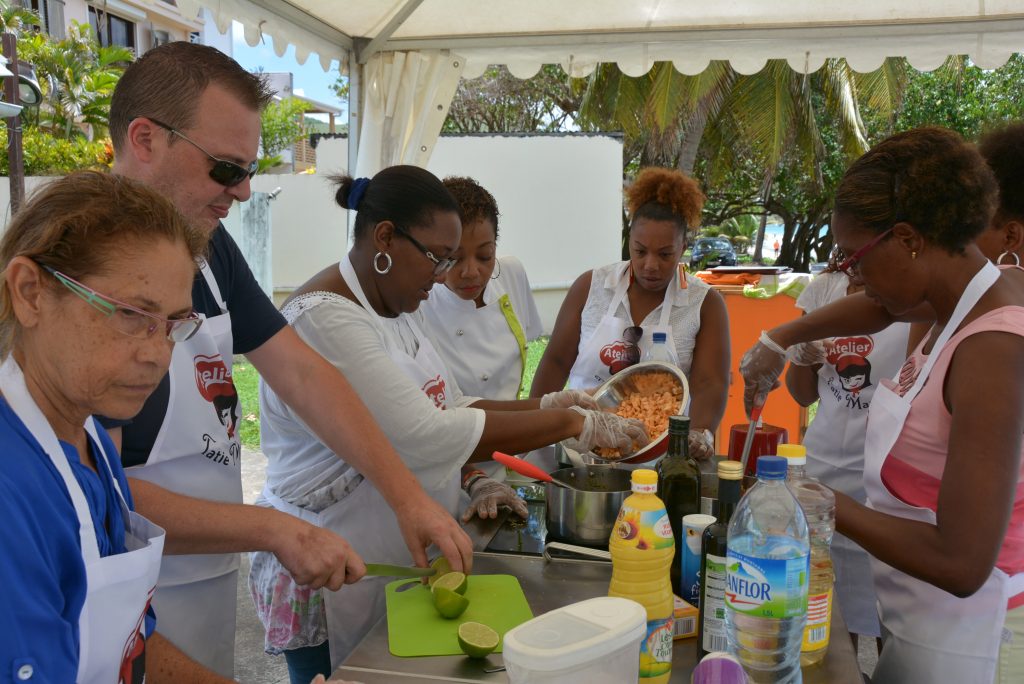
(702, 443)
(486, 494)
(761, 367)
(807, 353)
(568, 399)
(603, 429)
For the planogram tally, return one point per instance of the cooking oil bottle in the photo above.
(819, 504)
(642, 548)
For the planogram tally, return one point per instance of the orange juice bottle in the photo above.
(642, 548)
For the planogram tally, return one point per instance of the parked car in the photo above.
(712, 251)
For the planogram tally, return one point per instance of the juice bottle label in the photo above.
(819, 621)
(715, 577)
(767, 587)
(656, 648)
(644, 529)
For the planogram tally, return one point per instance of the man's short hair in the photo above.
(166, 82)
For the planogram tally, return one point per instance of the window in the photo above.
(51, 12)
(111, 29)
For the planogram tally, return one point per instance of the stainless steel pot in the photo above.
(585, 517)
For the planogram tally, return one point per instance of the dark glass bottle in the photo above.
(679, 488)
(711, 634)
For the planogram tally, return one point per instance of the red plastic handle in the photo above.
(521, 466)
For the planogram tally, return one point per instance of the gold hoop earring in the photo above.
(1016, 259)
(376, 259)
(913, 255)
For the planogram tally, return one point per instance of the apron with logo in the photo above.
(197, 453)
(605, 346)
(119, 587)
(363, 518)
(930, 635)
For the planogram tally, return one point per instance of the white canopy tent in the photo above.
(404, 57)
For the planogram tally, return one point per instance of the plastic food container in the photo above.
(596, 641)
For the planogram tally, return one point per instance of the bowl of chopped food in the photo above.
(650, 391)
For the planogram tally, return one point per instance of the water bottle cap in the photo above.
(730, 470)
(771, 468)
(796, 454)
(660, 337)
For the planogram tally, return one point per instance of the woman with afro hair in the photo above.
(610, 315)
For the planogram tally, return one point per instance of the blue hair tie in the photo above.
(356, 192)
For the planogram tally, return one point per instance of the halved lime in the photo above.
(456, 581)
(448, 603)
(477, 640)
(442, 566)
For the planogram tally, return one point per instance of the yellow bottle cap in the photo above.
(643, 476)
(791, 451)
(730, 470)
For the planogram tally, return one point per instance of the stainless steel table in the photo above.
(548, 586)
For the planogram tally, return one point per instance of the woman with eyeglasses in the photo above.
(97, 280)
(363, 316)
(942, 459)
(610, 315)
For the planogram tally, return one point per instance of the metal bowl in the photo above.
(623, 383)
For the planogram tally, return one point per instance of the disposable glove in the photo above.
(702, 443)
(807, 353)
(487, 494)
(761, 367)
(568, 399)
(603, 429)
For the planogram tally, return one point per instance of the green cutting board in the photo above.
(415, 628)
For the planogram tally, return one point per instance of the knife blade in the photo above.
(385, 570)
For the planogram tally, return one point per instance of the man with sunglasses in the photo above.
(185, 119)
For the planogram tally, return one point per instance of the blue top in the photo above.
(772, 467)
(660, 337)
(42, 574)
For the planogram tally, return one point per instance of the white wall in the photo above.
(560, 199)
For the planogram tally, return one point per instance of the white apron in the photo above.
(835, 451)
(363, 518)
(119, 587)
(605, 344)
(930, 635)
(197, 453)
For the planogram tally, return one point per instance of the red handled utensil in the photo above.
(529, 470)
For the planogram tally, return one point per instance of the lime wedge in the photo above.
(456, 581)
(442, 566)
(477, 640)
(448, 603)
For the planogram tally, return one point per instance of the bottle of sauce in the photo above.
(711, 634)
(679, 485)
(641, 546)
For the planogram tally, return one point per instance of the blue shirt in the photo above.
(42, 574)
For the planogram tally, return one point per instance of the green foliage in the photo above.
(77, 77)
(47, 155)
(247, 384)
(281, 125)
(497, 101)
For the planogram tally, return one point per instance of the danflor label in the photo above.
(767, 587)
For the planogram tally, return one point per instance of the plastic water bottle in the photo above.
(819, 504)
(642, 547)
(659, 350)
(766, 577)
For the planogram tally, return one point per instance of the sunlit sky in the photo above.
(310, 80)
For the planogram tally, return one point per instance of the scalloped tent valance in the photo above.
(578, 34)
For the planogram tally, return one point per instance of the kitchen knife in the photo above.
(385, 570)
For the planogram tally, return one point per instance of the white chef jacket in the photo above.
(477, 344)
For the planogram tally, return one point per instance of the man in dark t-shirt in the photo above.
(186, 120)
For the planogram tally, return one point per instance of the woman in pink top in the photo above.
(943, 448)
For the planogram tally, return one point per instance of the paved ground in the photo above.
(253, 666)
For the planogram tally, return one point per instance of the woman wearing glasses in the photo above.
(97, 280)
(363, 316)
(942, 457)
(610, 314)
(841, 374)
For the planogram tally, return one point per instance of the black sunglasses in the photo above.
(441, 266)
(225, 172)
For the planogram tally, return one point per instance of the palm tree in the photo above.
(17, 19)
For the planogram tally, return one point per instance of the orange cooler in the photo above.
(642, 549)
